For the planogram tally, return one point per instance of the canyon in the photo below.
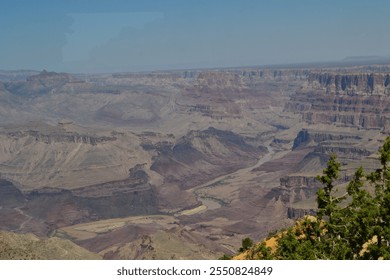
(180, 164)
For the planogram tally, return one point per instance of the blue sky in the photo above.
(126, 35)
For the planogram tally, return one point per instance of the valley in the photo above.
(180, 164)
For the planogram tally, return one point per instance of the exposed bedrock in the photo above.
(361, 83)
(369, 112)
(232, 80)
(356, 100)
(345, 152)
(347, 146)
(55, 208)
(54, 134)
(299, 181)
(68, 138)
(297, 213)
(289, 195)
(62, 207)
(306, 137)
(298, 189)
(202, 155)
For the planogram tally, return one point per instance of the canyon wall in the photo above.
(356, 99)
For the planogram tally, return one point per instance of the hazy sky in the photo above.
(127, 35)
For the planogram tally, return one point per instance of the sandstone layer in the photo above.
(139, 165)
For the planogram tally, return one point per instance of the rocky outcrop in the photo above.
(351, 84)
(356, 100)
(70, 138)
(62, 207)
(236, 80)
(306, 137)
(43, 210)
(346, 145)
(202, 155)
(61, 137)
(290, 195)
(359, 111)
(295, 188)
(272, 74)
(245, 73)
(299, 189)
(297, 213)
(299, 181)
(121, 198)
(345, 152)
(145, 106)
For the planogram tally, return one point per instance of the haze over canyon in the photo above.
(177, 164)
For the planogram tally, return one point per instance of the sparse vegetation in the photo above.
(225, 257)
(15, 246)
(353, 225)
(246, 244)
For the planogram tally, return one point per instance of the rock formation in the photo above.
(130, 164)
(356, 99)
(202, 155)
(351, 84)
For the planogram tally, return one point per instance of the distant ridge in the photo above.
(367, 58)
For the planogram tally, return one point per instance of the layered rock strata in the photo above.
(356, 100)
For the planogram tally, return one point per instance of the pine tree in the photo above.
(380, 208)
(359, 229)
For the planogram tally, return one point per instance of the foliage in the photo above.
(246, 244)
(261, 251)
(225, 257)
(354, 225)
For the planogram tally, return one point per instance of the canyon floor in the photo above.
(179, 164)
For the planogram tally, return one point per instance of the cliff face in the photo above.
(64, 137)
(297, 190)
(345, 145)
(299, 181)
(297, 213)
(60, 175)
(356, 100)
(202, 155)
(66, 175)
(44, 210)
(241, 78)
(306, 137)
(351, 84)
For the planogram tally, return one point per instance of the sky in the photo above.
(100, 36)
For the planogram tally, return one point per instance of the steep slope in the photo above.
(38, 155)
(225, 153)
(346, 99)
(203, 155)
(142, 237)
(28, 247)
